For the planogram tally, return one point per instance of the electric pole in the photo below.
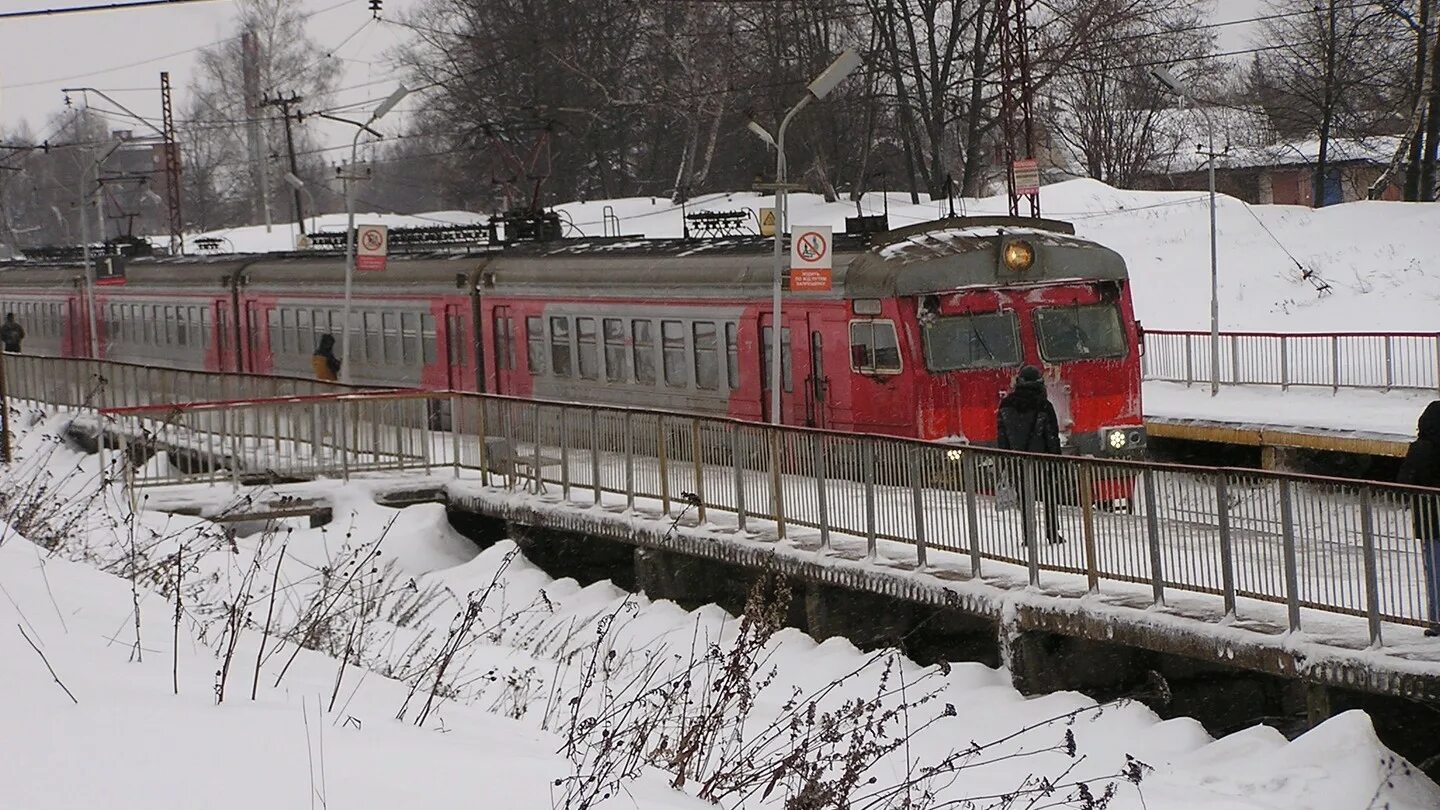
(285, 103)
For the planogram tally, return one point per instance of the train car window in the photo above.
(390, 322)
(304, 336)
(560, 347)
(427, 338)
(643, 340)
(410, 338)
(204, 327)
(616, 358)
(374, 351)
(504, 345)
(767, 339)
(587, 348)
(874, 348)
(535, 344)
(732, 354)
(1079, 332)
(273, 316)
(289, 324)
(987, 340)
(707, 355)
(172, 326)
(672, 342)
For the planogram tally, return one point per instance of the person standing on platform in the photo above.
(1026, 421)
(1421, 468)
(11, 333)
(324, 361)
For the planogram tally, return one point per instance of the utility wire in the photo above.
(50, 12)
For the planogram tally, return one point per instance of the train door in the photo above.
(76, 343)
(817, 382)
(457, 349)
(792, 407)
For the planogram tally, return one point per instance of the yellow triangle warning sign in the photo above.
(767, 221)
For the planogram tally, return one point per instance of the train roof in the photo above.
(940, 256)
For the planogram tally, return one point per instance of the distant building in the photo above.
(1284, 173)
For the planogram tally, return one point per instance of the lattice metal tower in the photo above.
(1017, 129)
(172, 169)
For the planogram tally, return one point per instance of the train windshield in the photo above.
(989, 340)
(1079, 332)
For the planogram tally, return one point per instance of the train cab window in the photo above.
(986, 340)
(643, 340)
(1079, 332)
(707, 355)
(616, 357)
(767, 341)
(874, 348)
(429, 348)
(732, 354)
(587, 348)
(560, 347)
(535, 344)
(672, 342)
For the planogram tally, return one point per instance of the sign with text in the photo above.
(810, 262)
(372, 245)
(1027, 177)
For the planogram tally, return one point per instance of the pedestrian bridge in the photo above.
(1301, 577)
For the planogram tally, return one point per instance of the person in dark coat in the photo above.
(324, 361)
(1421, 468)
(11, 333)
(1026, 421)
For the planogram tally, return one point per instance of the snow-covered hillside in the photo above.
(1377, 257)
(546, 689)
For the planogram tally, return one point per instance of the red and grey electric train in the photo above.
(920, 334)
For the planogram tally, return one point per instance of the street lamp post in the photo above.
(348, 177)
(300, 188)
(1183, 91)
(817, 90)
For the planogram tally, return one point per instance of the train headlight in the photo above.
(1018, 255)
(1116, 439)
(955, 455)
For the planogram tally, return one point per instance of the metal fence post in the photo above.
(817, 462)
(699, 461)
(629, 460)
(1029, 517)
(912, 464)
(1189, 363)
(1284, 363)
(777, 493)
(1087, 516)
(481, 430)
(1389, 365)
(661, 439)
(1335, 362)
(739, 464)
(1235, 359)
(867, 474)
(564, 454)
(970, 476)
(1227, 542)
(537, 470)
(1372, 577)
(595, 453)
(1152, 536)
(455, 433)
(1435, 341)
(1292, 577)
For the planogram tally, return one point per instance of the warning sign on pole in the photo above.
(1027, 177)
(810, 263)
(371, 246)
(767, 221)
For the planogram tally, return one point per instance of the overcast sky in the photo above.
(122, 52)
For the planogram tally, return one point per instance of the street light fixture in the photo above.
(299, 185)
(348, 177)
(1182, 90)
(817, 90)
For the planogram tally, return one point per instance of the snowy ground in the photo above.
(391, 591)
(1378, 414)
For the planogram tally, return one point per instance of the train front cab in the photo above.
(973, 311)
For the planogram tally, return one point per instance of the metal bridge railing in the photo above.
(1409, 360)
(84, 383)
(1304, 542)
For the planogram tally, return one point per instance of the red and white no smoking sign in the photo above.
(810, 259)
(371, 247)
